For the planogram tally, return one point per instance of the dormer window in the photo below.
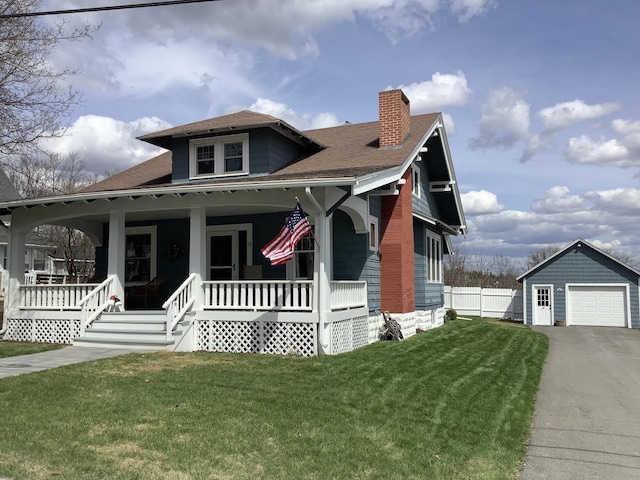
(219, 156)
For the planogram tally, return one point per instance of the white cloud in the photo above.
(103, 142)
(566, 114)
(443, 90)
(505, 120)
(631, 132)
(618, 202)
(584, 150)
(558, 200)
(607, 218)
(449, 124)
(480, 202)
(537, 143)
(301, 122)
(466, 9)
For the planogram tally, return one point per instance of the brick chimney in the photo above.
(394, 118)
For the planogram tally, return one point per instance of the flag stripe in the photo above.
(280, 249)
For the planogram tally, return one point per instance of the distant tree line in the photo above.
(464, 269)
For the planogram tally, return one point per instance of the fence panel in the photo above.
(485, 302)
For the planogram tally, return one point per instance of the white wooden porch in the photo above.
(260, 316)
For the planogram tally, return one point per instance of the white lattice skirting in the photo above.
(256, 337)
(42, 330)
(347, 335)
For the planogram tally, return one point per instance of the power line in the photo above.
(104, 9)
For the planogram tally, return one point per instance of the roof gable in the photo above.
(579, 242)
(245, 120)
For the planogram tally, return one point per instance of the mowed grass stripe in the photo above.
(454, 402)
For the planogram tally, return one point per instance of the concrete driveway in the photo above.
(587, 422)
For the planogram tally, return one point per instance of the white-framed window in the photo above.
(303, 257)
(140, 254)
(416, 188)
(434, 258)
(374, 234)
(219, 156)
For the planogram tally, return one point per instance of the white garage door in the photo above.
(603, 306)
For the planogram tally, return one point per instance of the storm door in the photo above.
(223, 256)
(542, 305)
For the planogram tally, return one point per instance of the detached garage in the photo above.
(581, 286)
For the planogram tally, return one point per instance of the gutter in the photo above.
(7, 207)
(322, 288)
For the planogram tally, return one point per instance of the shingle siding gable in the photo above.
(268, 152)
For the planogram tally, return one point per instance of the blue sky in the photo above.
(540, 98)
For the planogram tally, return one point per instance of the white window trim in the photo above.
(375, 245)
(218, 144)
(434, 265)
(416, 185)
(147, 229)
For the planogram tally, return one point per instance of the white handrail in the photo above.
(179, 303)
(61, 297)
(95, 303)
(348, 294)
(259, 295)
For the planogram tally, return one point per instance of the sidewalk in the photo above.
(36, 362)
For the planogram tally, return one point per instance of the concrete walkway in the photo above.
(587, 422)
(36, 362)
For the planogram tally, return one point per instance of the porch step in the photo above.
(141, 329)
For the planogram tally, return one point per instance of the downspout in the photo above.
(322, 288)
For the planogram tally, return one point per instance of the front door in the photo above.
(542, 305)
(223, 256)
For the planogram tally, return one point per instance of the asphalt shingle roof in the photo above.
(350, 150)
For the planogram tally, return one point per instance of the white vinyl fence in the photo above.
(484, 302)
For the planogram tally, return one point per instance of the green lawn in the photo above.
(12, 349)
(451, 403)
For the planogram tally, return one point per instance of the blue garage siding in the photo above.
(580, 265)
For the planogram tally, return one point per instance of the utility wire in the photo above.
(104, 9)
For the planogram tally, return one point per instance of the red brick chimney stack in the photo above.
(395, 114)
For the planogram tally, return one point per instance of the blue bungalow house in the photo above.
(580, 285)
(178, 238)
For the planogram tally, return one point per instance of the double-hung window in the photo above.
(219, 156)
(434, 259)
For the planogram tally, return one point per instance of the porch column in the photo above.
(198, 251)
(15, 258)
(323, 275)
(116, 252)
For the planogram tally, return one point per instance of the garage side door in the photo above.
(601, 306)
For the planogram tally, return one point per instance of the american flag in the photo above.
(280, 249)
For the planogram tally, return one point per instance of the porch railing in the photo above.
(280, 295)
(348, 294)
(95, 302)
(179, 303)
(256, 295)
(54, 297)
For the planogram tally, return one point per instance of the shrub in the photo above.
(450, 314)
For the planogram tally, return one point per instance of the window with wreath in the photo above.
(218, 156)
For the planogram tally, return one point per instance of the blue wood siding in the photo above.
(580, 265)
(268, 152)
(167, 231)
(352, 258)
(428, 295)
(425, 204)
